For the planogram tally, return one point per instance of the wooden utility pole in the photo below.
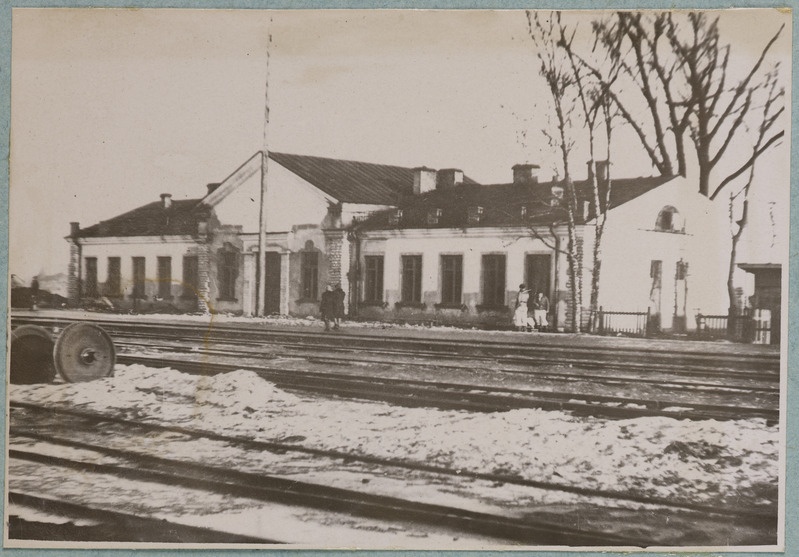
(260, 273)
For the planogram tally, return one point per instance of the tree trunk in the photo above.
(732, 312)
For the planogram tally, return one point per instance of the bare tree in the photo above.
(560, 81)
(680, 71)
(769, 113)
(639, 46)
(717, 110)
(594, 83)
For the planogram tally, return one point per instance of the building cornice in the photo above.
(475, 232)
(132, 240)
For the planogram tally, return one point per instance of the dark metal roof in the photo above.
(346, 181)
(760, 267)
(153, 219)
(351, 181)
(502, 204)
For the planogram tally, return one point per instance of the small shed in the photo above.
(768, 292)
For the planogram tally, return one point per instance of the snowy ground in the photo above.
(709, 462)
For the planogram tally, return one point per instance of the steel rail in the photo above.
(463, 397)
(284, 447)
(675, 384)
(292, 492)
(124, 527)
(526, 351)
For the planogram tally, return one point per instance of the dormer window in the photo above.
(556, 195)
(669, 220)
(474, 214)
(395, 217)
(433, 217)
(523, 212)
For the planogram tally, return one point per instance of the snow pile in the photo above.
(242, 391)
(711, 462)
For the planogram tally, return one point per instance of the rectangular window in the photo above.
(682, 270)
(138, 277)
(113, 285)
(164, 277)
(537, 273)
(373, 279)
(451, 279)
(91, 278)
(309, 270)
(494, 280)
(411, 279)
(656, 271)
(227, 273)
(191, 276)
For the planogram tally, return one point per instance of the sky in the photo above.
(112, 107)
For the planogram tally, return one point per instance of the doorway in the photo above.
(272, 261)
(537, 273)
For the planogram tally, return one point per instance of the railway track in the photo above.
(749, 398)
(741, 382)
(142, 466)
(446, 395)
(524, 350)
(68, 521)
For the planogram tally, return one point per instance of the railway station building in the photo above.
(406, 244)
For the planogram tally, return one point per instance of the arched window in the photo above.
(669, 220)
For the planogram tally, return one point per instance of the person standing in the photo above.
(35, 293)
(327, 306)
(338, 308)
(520, 314)
(540, 311)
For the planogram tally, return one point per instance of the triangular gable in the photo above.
(239, 176)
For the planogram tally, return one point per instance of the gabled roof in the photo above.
(345, 181)
(502, 204)
(153, 219)
(351, 181)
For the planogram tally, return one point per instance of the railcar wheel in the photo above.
(31, 350)
(84, 352)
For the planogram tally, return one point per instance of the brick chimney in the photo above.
(74, 229)
(424, 180)
(525, 173)
(602, 168)
(449, 177)
(166, 200)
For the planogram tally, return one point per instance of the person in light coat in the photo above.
(520, 314)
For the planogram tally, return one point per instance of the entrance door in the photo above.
(272, 277)
(537, 273)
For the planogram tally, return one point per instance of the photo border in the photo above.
(790, 346)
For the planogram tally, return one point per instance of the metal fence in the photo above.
(631, 323)
(746, 327)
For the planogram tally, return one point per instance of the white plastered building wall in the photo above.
(471, 243)
(632, 241)
(297, 212)
(126, 248)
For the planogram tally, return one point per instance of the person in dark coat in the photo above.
(540, 311)
(327, 306)
(34, 293)
(338, 310)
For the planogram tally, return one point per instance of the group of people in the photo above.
(331, 306)
(531, 310)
